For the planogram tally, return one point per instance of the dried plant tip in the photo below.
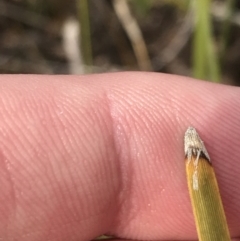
(193, 145)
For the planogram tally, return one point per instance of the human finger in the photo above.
(82, 156)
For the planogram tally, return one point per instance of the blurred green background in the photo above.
(198, 38)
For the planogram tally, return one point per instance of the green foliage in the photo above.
(83, 10)
(205, 59)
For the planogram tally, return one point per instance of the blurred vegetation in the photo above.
(197, 38)
(205, 60)
(86, 46)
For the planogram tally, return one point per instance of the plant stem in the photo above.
(205, 61)
(86, 47)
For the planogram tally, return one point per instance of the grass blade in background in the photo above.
(205, 60)
(83, 12)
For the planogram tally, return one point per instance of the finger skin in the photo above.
(83, 156)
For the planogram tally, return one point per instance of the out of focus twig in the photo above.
(134, 33)
(71, 40)
(180, 39)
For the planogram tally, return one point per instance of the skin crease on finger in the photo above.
(85, 155)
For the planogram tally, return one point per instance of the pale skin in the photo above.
(87, 155)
